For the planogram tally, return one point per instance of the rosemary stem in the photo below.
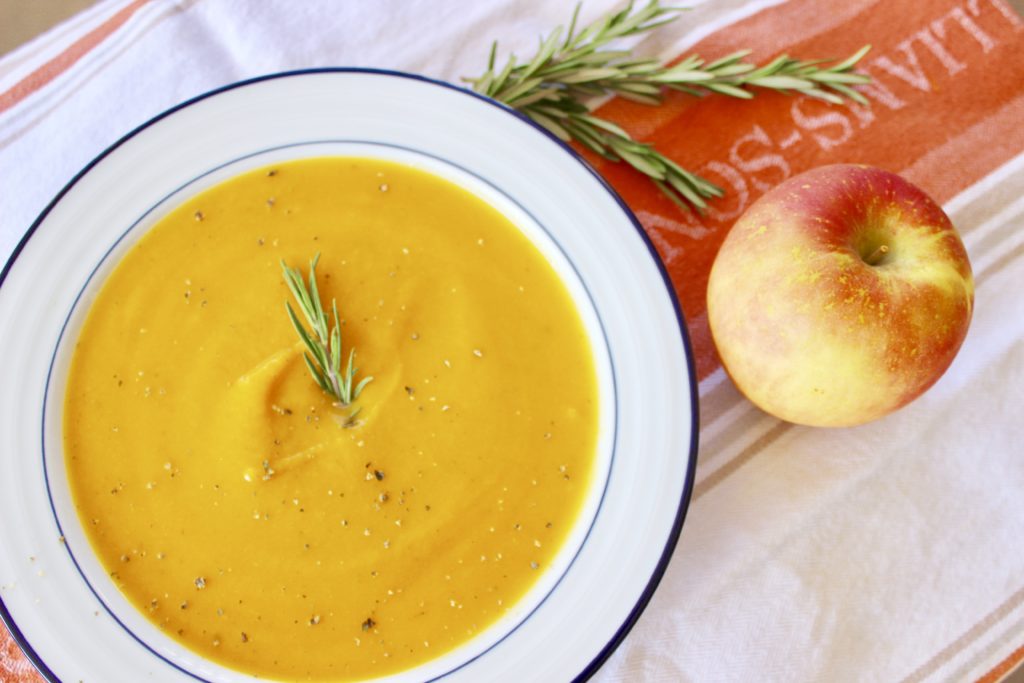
(323, 344)
(559, 85)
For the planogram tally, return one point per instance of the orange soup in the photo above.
(237, 508)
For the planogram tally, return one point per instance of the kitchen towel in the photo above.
(891, 551)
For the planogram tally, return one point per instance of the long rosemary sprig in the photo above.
(555, 89)
(323, 346)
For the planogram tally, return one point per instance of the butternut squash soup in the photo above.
(255, 521)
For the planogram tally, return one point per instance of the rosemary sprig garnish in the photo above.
(323, 356)
(555, 89)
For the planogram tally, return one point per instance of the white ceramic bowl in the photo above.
(54, 595)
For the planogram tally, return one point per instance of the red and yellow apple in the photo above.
(839, 296)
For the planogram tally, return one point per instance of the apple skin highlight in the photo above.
(813, 333)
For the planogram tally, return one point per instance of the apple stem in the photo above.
(877, 255)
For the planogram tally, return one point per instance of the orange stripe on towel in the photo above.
(66, 59)
(1004, 667)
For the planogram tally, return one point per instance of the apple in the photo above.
(839, 296)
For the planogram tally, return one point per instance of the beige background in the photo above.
(21, 20)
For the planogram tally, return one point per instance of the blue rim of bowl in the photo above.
(659, 571)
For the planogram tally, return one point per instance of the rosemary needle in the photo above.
(323, 345)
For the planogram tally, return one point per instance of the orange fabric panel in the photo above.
(945, 110)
